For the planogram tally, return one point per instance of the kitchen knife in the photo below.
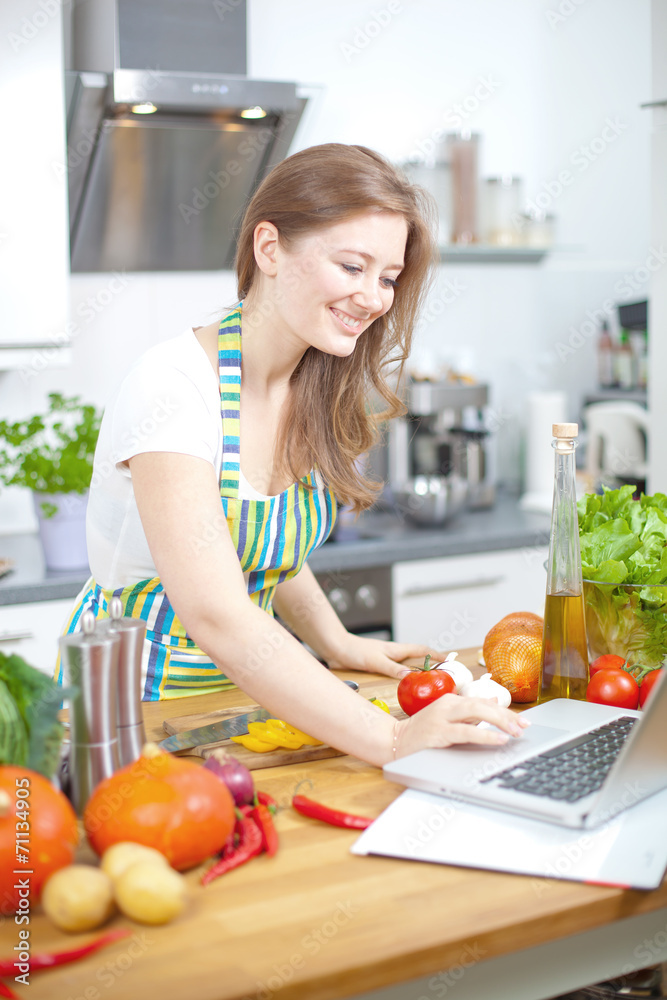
(236, 726)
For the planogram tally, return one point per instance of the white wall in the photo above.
(556, 72)
(657, 480)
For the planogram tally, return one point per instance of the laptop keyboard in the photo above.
(570, 770)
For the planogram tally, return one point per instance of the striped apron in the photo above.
(273, 538)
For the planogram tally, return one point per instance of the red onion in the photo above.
(234, 775)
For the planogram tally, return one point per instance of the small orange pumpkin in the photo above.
(178, 807)
(38, 824)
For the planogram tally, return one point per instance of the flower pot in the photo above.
(63, 535)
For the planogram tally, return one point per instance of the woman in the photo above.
(225, 451)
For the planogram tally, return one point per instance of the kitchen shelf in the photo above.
(478, 253)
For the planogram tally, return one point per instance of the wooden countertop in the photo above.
(315, 921)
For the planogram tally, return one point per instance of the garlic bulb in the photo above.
(458, 671)
(486, 687)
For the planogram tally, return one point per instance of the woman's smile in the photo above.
(348, 322)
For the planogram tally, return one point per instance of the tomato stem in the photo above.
(638, 671)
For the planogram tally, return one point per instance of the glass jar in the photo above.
(436, 178)
(501, 208)
(536, 229)
(462, 154)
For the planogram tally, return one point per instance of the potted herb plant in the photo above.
(52, 454)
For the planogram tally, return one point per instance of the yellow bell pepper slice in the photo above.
(380, 704)
(285, 727)
(269, 734)
(252, 743)
(304, 737)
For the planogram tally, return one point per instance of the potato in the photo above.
(125, 853)
(78, 898)
(150, 893)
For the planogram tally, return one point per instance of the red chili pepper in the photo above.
(264, 821)
(6, 992)
(249, 846)
(267, 800)
(316, 810)
(47, 960)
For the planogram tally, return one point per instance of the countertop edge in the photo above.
(378, 539)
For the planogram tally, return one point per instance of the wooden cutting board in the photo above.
(384, 689)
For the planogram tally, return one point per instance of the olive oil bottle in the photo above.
(564, 665)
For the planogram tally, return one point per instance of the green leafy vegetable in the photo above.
(624, 564)
(52, 452)
(36, 701)
(13, 733)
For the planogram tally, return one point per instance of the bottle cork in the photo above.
(565, 430)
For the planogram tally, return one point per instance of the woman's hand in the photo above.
(376, 656)
(454, 719)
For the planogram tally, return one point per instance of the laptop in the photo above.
(578, 764)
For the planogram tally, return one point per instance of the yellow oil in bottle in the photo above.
(564, 670)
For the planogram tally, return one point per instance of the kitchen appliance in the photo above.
(167, 137)
(362, 598)
(616, 444)
(627, 766)
(445, 432)
(431, 500)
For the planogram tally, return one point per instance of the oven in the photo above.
(361, 598)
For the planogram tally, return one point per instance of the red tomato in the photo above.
(422, 686)
(647, 685)
(608, 661)
(613, 687)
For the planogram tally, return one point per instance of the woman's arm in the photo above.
(179, 504)
(302, 603)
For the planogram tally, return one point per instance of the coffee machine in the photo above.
(446, 432)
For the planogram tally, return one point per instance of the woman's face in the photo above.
(333, 284)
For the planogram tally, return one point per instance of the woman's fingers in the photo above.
(453, 718)
(456, 733)
(407, 651)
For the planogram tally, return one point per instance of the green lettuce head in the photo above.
(623, 546)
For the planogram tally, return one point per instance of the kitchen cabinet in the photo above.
(32, 631)
(34, 241)
(452, 603)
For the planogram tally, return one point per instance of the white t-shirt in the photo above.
(169, 401)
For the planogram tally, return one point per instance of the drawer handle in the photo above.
(11, 636)
(443, 588)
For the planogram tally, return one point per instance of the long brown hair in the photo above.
(313, 189)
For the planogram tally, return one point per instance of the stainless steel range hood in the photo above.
(167, 137)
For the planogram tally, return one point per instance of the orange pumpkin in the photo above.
(51, 840)
(178, 807)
